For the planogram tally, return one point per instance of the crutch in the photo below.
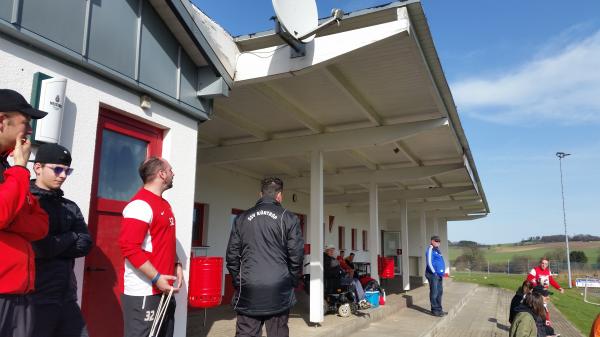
(160, 313)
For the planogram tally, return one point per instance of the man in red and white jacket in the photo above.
(541, 275)
(21, 218)
(148, 246)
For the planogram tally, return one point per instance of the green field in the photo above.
(570, 304)
(503, 253)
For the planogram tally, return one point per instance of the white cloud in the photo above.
(562, 84)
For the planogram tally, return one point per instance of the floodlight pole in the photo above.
(560, 156)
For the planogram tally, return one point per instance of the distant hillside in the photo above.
(531, 240)
(533, 251)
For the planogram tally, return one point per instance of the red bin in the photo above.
(206, 279)
(386, 267)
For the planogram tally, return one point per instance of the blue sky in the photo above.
(525, 76)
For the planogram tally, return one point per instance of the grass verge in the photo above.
(570, 304)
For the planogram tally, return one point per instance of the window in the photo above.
(353, 242)
(302, 219)
(121, 156)
(198, 225)
(341, 238)
(365, 240)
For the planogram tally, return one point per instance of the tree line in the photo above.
(559, 238)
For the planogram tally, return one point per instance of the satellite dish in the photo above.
(298, 17)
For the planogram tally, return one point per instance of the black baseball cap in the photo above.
(539, 289)
(11, 100)
(53, 154)
(435, 238)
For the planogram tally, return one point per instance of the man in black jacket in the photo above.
(264, 258)
(55, 300)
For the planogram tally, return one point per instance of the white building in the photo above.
(362, 129)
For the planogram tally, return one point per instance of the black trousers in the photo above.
(59, 320)
(251, 326)
(139, 313)
(16, 316)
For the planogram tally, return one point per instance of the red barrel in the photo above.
(206, 279)
(387, 268)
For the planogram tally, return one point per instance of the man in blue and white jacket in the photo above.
(434, 272)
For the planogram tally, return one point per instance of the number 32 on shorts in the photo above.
(149, 316)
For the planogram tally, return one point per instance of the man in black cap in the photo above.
(55, 300)
(434, 272)
(21, 218)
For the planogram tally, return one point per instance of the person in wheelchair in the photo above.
(335, 275)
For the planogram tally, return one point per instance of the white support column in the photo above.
(424, 243)
(316, 237)
(436, 226)
(373, 235)
(443, 224)
(404, 240)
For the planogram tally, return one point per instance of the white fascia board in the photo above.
(377, 177)
(396, 195)
(331, 141)
(273, 61)
(466, 218)
(422, 206)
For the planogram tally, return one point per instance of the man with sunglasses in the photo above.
(21, 218)
(434, 272)
(55, 300)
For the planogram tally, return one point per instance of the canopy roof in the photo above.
(370, 93)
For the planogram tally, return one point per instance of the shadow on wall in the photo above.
(67, 133)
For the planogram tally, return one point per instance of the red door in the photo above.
(121, 145)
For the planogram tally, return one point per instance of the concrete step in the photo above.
(415, 319)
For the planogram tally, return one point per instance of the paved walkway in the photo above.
(473, 311)
(484, 313)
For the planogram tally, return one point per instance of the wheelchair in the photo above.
(340, 299)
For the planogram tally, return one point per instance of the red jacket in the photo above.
(544, 277)
(21, 221)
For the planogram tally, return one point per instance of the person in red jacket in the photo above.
(21, 218)
(542, 275)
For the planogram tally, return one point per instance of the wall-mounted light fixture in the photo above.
(145, 102)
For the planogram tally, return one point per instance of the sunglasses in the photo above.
(58, 170)
(436, 240)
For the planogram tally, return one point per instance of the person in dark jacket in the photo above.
(55, 300)
(21, 218)
(519, 297)
(264, 257)
(530, 317)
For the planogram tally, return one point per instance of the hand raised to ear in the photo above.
(22, 150)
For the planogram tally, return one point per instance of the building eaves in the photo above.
(210, 39)
(423, 35)
(352, 20)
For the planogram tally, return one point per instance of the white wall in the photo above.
(224, 190)
(85, 94)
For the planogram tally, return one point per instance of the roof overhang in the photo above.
(369, 94)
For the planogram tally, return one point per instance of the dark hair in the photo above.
(525, 288)
(535, 301)
(544, 259)
(271, 186)
(150, 167)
